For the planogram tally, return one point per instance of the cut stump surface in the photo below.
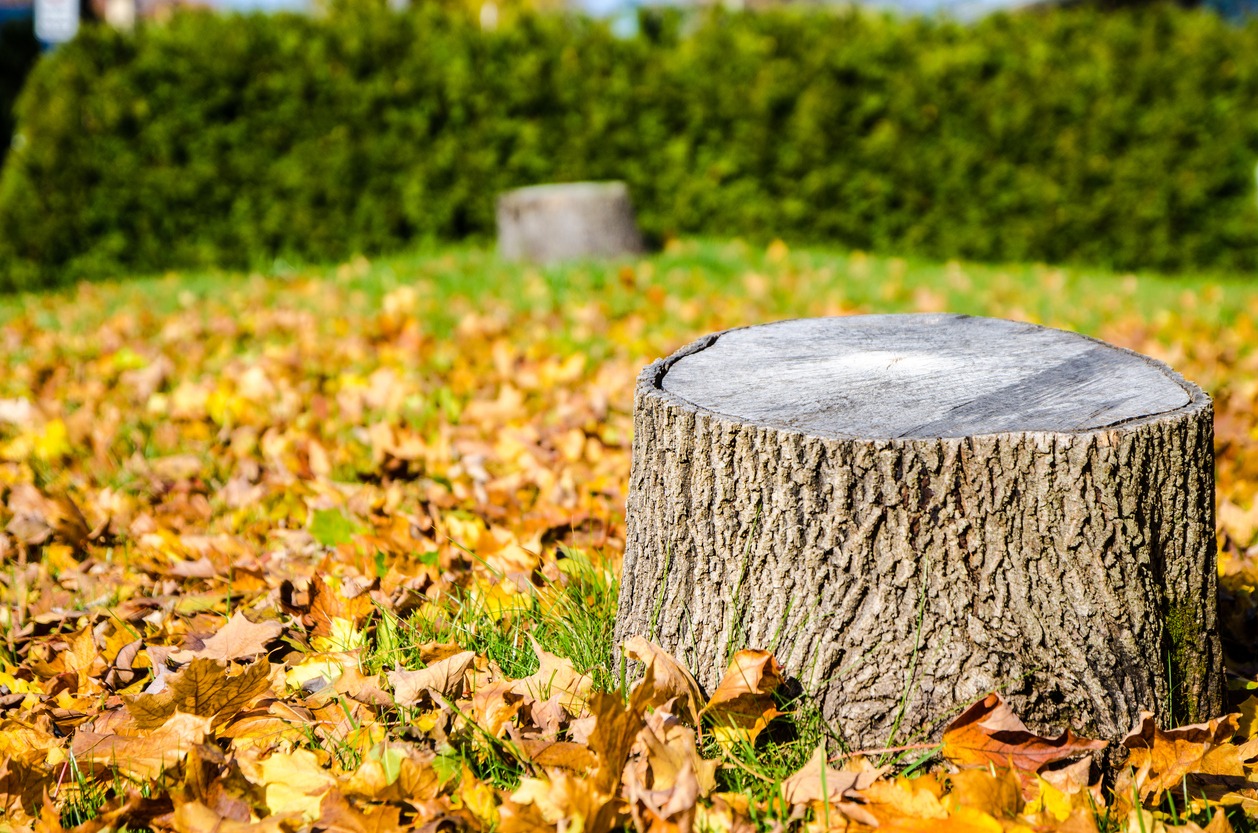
(567, 221)
(914, 510)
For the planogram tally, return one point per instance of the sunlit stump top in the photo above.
(921, 376)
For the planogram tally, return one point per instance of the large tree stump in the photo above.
(551, 223)
(914, 510)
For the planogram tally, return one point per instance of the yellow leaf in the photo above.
(53, 443)
(295, 783)
(343, 637)
(478, 798)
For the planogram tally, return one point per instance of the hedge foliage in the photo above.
(18, 53)
(1122, 139)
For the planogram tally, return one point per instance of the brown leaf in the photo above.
(444, 676)
(195, 817)
(667, 747)
(563, 754)
(21, 790)
(1162, 758)
(337, 815)
(742, 705)
(238, 639)
(989, 733)
(145, 756)
(204, 689)
(555, 676)
(818, 781)
(670, 678)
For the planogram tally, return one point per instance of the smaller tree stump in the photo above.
(551, 223)
(914, 510)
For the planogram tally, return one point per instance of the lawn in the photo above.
(402, 482)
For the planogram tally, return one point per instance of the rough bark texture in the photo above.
(551, 223)
(901, 579)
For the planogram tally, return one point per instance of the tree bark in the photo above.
(552, 223)
(912, 511)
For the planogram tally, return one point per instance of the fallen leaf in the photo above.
(203, 688)
(444, 676)
(1161, 759)
(671, 680)
(144, 756)
(742, 705)
(555, 676)
(988, 733)
(239, 638)
(818, 781)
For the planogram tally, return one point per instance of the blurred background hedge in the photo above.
(1123, 139)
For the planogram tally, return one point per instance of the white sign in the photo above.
(56, 21)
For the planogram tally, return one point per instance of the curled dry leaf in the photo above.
(742, 705)
(818, 781)
(445, 676)
(988, 733)
(671, 679)
(1161, 759)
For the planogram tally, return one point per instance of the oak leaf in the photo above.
(204, 689)
(988, 733)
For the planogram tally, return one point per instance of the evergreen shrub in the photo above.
(1069, 136)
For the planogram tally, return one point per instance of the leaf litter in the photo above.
(338, 553)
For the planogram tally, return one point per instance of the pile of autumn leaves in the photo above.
(222, 739)
(220, 522)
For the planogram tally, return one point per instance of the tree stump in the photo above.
(551, 223)
(911, 511)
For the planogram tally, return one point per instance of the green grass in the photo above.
(1076, 298)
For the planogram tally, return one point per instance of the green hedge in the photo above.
(1124, 139)
(18, 53)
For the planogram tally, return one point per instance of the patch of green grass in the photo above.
(446, 277)
(572, 616)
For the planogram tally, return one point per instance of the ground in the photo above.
(337, 546)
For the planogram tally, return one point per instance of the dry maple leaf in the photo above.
(555, 676)
(444, 676)
(337, 815)
(195, 817)
(989, 733)
(145, 756)
(237, 639)
(1161, 759)
(817, 781)
(742, 705)
(671, 679)
(21, 790)
(204, 689)
(666, 747)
